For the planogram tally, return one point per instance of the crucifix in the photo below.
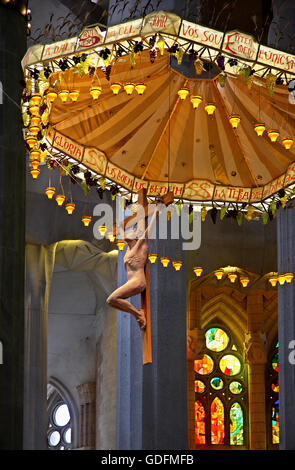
(137, 268)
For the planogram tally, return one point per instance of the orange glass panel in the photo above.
(217, 422)
(199, 423)
(204, 366)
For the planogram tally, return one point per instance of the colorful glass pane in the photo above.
(199, 386)
(216, 339)
(199, 423)
(275, 423)
(204, 366)
(275, 362)
(217, 422)
(236, 421)
(230, 365)
(235, 387)
(234, 347)
(275, 385)
(216, 383)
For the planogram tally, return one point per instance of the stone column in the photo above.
(286, 327)
(86, 394)
(255, 356)
(12, 232)
(39, 268)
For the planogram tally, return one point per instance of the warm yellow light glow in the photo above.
(198, 271)
(232, 277)
(116, 87)
(287, 142)
(35, 172)
(35, 164)
(165, 261)
(95, 92)
(31, 140)
(34, 129)
(161, 45)
(281, 279)
(60, 199)
(36, 98)
(183, 93)
(273, 134)
(50, 191)
(120, 244)
(102, 230)
(196, 100)
(129, 87)
(111, 237)
(177, 265)
(210, 108)
(273, 281)
(35, 154)
(63, 94)
(153, 257)
(70, 207)
(35, 120)
(259, 129)
(244, 281)
(140, 88)
(51, 95)
(34, 109)
(234, 119)
(289, 277)
(218, 274)
(74, 94)
(86, 219)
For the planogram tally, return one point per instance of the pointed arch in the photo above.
(200, 420)
(236, 419)
(217, 421)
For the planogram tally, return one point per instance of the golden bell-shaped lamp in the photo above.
(116, 87)
(35, 119)
(198, 271)
(196, 100)
(259, 128)
(165, 260)
(50, 191)
(273, 281)
(129, 87)
(63, 94)
(120, 244)
(70, 207)
(287, 142)
(219, 274)
(152, 257)
(35, 172)
(210, 108)
(234, 119)
(102, 230)
(273, 134)
(183, 93)
(289, 277)
(74, 95)
(60, 198)
(34, 129)
(31, 140)
(111, 237)
(95, 92)
(86, 219)
(232, 277)
(281, 279)
(36, 98)
(51, 95)
(177, 265)
(35, 154)
(35, 164)
(34, 109)
(244, 281)
(140, 88)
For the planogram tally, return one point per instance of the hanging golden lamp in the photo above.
(31, 140)
(281, 279)
(234, 119)
(50, 191)
(140, 88)
(35, 119)
(152, 257)
(95, 92)
(34, 109)
(111, 237)
(183, 93)
(289, 277)
(259, 128)
(161, 45)
(198, 271)
(273, 134)
(196, 100)
(51, 95)
(244, 281)
(34, 129)
(120, 244)
(60, 198)
(165, 260)
(86, 219)
(273, 281)
(35, 172)
(232, 277)
(210, 108)
(102, 230)
(287, 142)
(35, 154)
(129, 87)
(177, 265)
(63, 94)
(116, 87)
(35, 164)
(36, 98)
(70, 207)
(74, 95)
(219, 274)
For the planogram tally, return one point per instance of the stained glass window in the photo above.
(217, 422)
(236, 425)
(275, 362)
(204, 366)
(199, 423)
(230, 365)
(275, 422)
(216, 339)
(199, 386)
(272, 394)
(235, 387)
(216, 383)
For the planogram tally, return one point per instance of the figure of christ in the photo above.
(135, 260)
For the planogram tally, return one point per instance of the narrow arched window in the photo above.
(272, 397)
(59, 429)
